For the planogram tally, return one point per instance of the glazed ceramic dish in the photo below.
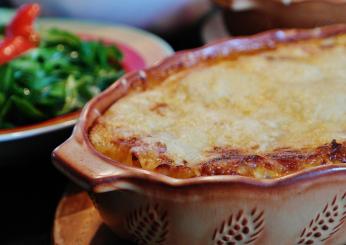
(260, 15)
(48, 134)
(306, 206)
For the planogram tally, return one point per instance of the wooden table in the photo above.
(78, 223)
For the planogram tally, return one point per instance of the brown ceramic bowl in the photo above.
(307, 207)
(251, 16)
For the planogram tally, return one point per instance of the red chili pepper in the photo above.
(20, 35)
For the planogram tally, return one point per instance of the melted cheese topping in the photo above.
(291, 97)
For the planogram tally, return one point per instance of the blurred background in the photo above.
(156, 15)
(177, 21)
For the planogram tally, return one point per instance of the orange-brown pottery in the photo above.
(307, 207)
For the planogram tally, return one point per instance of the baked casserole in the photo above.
(263, 113)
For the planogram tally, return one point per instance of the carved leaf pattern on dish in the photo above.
(241, 228)
(326, 223)
(148, 225)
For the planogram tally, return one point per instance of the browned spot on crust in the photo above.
(165, 159)
(281, 58)
(219, 168)
(224, 151)
(327, 45)
(161, 147)
(180, 171)
(135, 160)
(132, 141)
(159, 108)
(279, 162)
(338, 152)
(230, 161)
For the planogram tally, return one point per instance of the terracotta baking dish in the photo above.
(307, 207)
(251, 16)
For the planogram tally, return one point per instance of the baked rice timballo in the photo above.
(262, 114)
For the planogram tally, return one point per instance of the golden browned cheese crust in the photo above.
(264, 114)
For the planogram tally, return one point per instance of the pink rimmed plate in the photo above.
(140, 49)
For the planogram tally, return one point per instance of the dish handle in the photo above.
(77, 161)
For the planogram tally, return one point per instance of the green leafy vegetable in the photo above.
(56, 78)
